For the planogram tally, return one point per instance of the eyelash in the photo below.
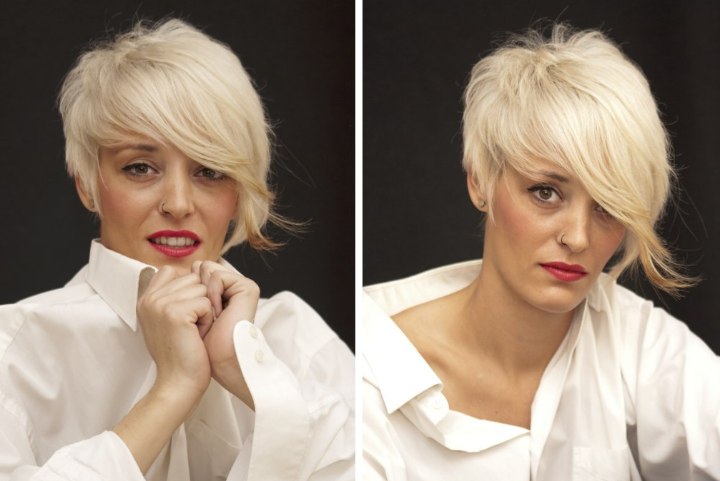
(535, 189)
(214, 175)
(132, 169)
(204, 172)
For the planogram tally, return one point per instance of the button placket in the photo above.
(254, 333)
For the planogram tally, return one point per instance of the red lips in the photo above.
(565, 272)
(175, 243)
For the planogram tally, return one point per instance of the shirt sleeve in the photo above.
(676, 392)
(301, 377)
(101, 458)
(381, 458)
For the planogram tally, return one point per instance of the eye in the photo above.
(603, 213)
(545, 194)
(138, 169)
(210, 174)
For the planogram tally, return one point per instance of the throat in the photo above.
(520, 341)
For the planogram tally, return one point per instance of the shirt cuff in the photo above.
(282, 422)
(100, 458)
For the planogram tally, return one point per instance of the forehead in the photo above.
(540, 169)
(132, 145)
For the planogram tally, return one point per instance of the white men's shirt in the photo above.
(73, 363)
(630, 394)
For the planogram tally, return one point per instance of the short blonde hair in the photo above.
(173, 83)
(575, 100)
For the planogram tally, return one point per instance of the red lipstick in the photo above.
(174, 243)
(565, 272)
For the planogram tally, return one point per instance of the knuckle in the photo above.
(253, 288)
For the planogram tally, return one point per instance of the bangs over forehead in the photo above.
(181, 87)
(576, 101)
(591, 135)
(176, 85)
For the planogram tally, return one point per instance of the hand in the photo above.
(234, 298)
(175, 314)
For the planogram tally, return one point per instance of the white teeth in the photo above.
(174, 241)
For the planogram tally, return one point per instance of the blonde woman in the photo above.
(534, 363)
(158, 360)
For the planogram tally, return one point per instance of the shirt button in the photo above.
(259, 356)
(253, 332)
(437, 403)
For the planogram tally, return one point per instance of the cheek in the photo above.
(518, 225)
(224, 205)
(119, 206)
(610, 240)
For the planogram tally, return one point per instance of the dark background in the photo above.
(301, 56)
(417, 58)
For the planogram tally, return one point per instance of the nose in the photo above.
(177, 195)
(576, 233)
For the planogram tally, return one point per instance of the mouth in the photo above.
(565, 272)
(175, 243)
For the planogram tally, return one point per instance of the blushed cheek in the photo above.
(518, 224)
(116, 205)
(613, 239)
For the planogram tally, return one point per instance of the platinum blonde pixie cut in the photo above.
(575, 100)
(176, 85)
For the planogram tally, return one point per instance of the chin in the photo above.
(559, 302)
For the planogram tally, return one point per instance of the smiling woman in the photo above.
(533, 363)
(159, 206)
(159, 360)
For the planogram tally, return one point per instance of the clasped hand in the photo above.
(188, 322)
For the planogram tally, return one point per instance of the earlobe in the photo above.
(85, 197)
(476, 196)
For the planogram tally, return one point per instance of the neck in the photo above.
(519, 338)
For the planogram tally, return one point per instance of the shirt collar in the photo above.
(121, 280)
(398, 369)
(118, 280)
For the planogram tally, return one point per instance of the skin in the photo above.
(145, 186)
(512, 318)
(190, 307)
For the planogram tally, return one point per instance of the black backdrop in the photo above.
(301, 55)
(417, 56)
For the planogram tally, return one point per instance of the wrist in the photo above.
(177, 391)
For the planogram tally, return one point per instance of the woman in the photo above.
(533, 363)
(158, 360)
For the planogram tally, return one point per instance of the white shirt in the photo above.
(73, 363)
(630, 391)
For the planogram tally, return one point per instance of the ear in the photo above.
(476, 196)
(85, 197)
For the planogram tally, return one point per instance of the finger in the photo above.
(207, 268)
(205, 322)
(164, 275)
(243, 285)
(195, 269)
(216, 287)
(190, 310)
(179, 283)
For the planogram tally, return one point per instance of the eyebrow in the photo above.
(142, 147)
(554, 175)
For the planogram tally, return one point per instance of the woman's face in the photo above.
(549, 240)
(160, 207)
